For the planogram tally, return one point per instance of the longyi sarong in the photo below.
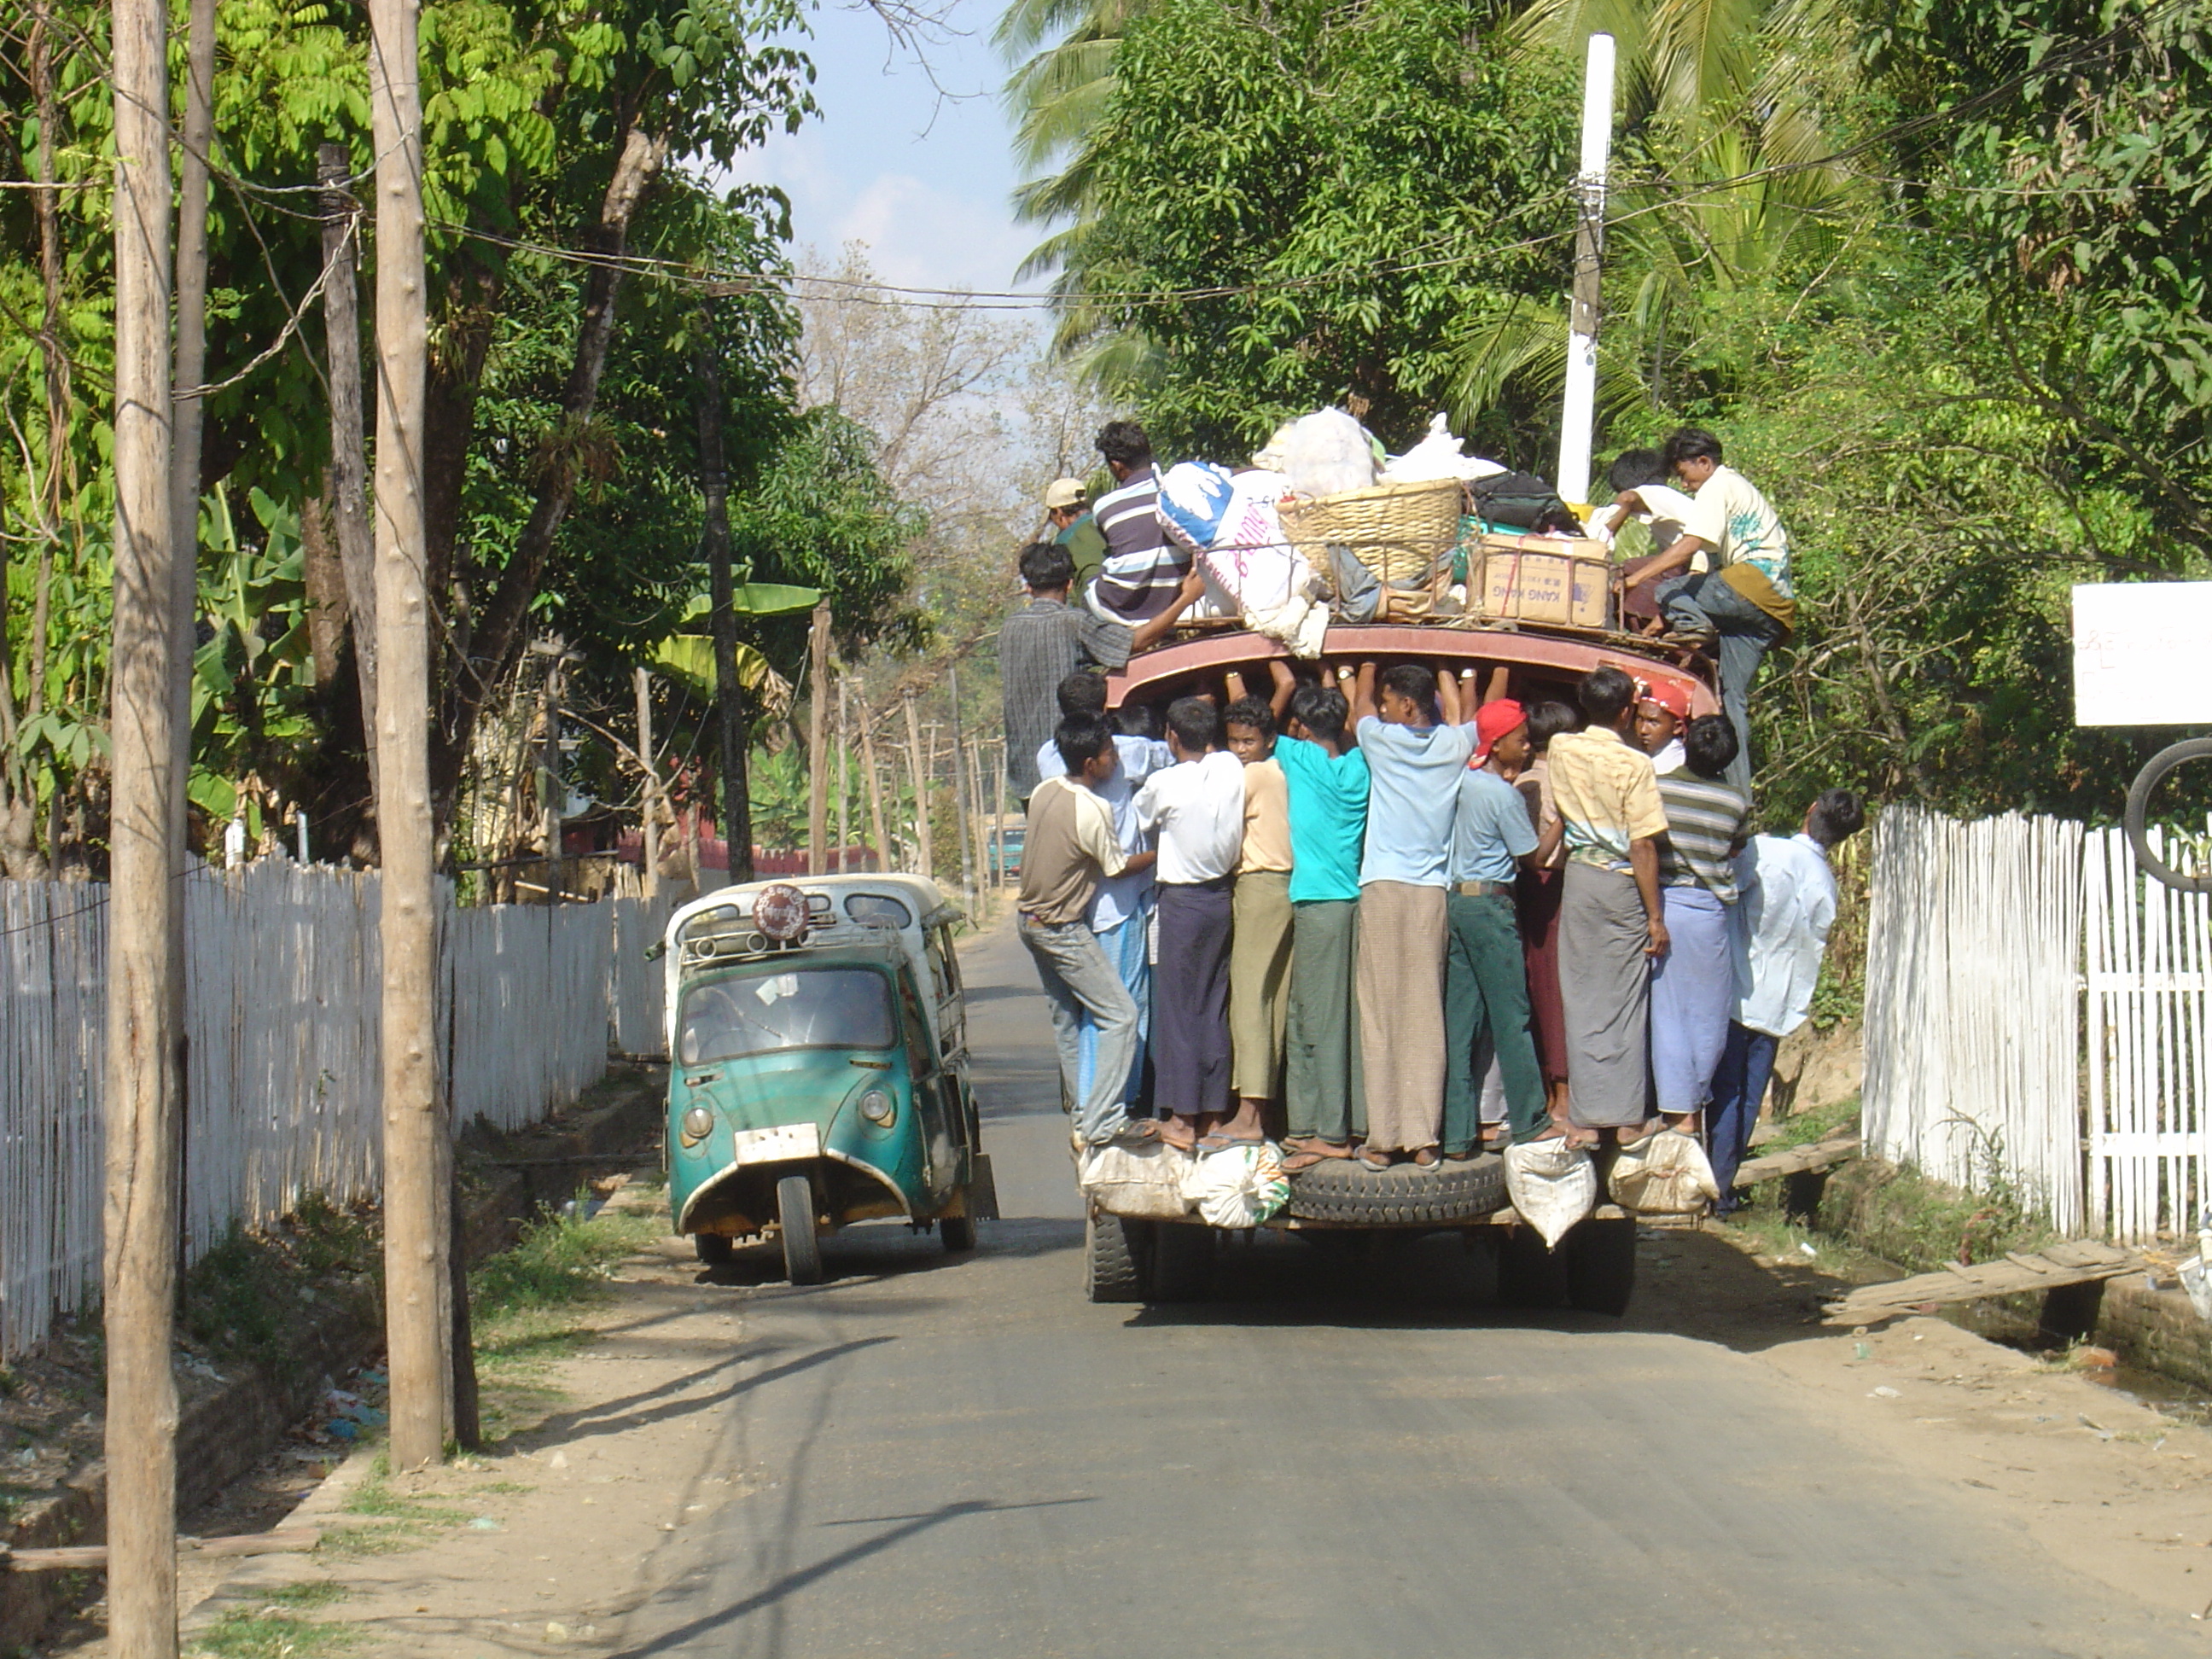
(1691, 990)
(1605, 987)
(1190, 1000)
(1401, 1013)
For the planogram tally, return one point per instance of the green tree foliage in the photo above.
(1363, 183)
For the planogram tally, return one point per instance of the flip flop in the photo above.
(1298, 1162)
(1378, 1161)
(1426, 1159)
(1138, 1131)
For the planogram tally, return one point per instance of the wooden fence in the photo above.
(1972, 1030)
(282, 1020)
(2148, 964)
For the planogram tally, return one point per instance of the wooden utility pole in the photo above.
(844, 778)
(960, 792)
(925, 854)
(721, 597)
(983, 819)
(551, 795)
(193, 178)
(416, 1147)
(649, 834)
(142, 1072)
(818, 735)
(875, 790)
(347, 480)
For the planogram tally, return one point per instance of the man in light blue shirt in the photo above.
(1787, 905)
(1122, 910)
(1414, 763)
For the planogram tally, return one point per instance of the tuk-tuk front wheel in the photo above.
(716, 1250)
(802, 1245)
(958, 1232)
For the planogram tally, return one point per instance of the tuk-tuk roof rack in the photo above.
(726, 934)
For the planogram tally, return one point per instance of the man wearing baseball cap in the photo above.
(1485, 981)
(1067, 505)
(1663, 709)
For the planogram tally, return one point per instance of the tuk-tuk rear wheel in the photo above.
(802, 1245)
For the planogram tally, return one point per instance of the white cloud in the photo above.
(921, 236)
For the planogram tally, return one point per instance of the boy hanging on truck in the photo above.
(1485, 978)
(1069, 846)
(1414, 761)
(1260, 938)
(1196, 807)
(1327, 779)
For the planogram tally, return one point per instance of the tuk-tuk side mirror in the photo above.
(658, 949)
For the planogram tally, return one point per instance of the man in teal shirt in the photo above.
(1328, 782)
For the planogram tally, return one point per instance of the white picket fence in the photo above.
(2148, 964)
(1973, 1037)
(2037, 1007)
(281, 1025)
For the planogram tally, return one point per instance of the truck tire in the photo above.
(802, 1245)
(1601, 1266)
(1181, 1268)
(1528, 1274)
(958, 1233)
(716, 1250)
(1114, 1251)
(1343, 1189)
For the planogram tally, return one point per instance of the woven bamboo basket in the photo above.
(1398, 530)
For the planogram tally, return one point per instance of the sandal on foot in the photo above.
(1426, 1159)
(1374, 1160)
(1298, 1162)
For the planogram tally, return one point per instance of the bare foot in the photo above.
(1179, 1132)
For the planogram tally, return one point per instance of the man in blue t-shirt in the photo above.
(1485, 979)
(1413, 762)
(1328, 785)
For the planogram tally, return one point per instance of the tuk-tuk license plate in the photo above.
(780, 1145)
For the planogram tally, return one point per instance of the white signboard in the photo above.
(2142, 653)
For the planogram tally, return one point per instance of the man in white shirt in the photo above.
(1197, 808)
(1122, 910)
(1642, 496)
(1787, 905)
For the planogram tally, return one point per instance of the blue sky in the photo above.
(921, 177)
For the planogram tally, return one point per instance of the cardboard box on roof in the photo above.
(1566, 583)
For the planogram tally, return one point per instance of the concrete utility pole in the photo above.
(416, 1194)
(1578, 413)
(142, 1071)
(817, 737)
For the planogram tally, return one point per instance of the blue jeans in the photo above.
(1080, 981)
(1706, 604)
(1127, 948)
(1739, 1087)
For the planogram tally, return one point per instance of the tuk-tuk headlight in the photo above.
(698, 1124)
(877, 1106)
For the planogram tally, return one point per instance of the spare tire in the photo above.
(1344, 1189)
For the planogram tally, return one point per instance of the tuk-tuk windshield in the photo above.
(798, 1008)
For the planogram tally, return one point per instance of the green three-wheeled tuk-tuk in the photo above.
(818, 1066)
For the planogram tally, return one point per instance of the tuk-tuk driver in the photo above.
(1071, 844)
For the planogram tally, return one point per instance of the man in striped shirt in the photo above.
(1144, 570)
(1693, 985)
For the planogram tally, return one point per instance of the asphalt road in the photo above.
(963, 1457)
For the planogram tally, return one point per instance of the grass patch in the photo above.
(1902, 1216)
(243, 1299)
(267, 1633)
(309, 1593)
(560, 1260)
(1803, 1129)
(374, 1497)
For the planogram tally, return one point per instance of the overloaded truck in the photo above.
(1543, 610)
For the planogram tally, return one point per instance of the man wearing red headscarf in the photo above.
(1486, 982)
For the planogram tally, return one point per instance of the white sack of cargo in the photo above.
(1553, 1186)
(1326, 454)
(1438, 455)
(1145, 1182)
(1237, 1186)
(1663, 1174)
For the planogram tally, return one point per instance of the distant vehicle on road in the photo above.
(818, 1066)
